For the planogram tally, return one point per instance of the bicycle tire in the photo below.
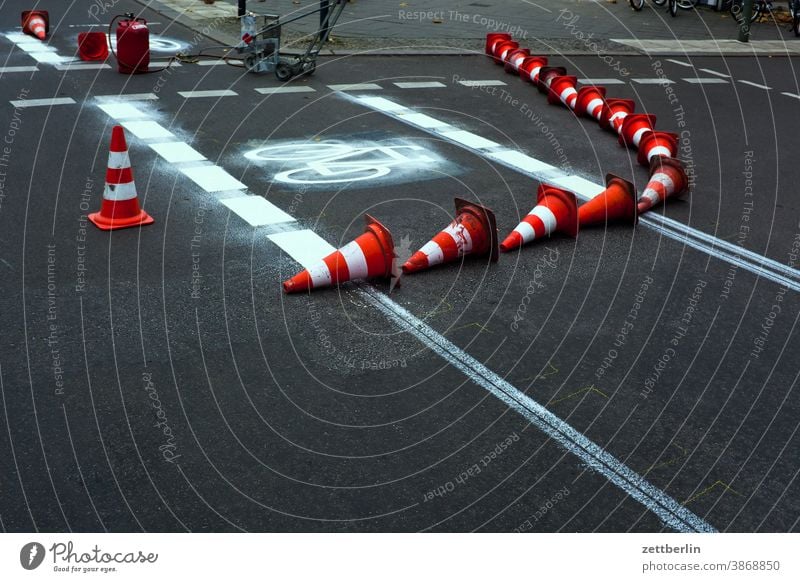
(672, 8)
(636, 4)
(659, 2)
(687, 4)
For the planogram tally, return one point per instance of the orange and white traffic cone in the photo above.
(556, 211)
(473, 232)
(562, 90)
(634, 126)
(492, 39)
(501, 49)
(514, 59)
(667, 178)
(590, 101)
(530, 67)
(616, 202)
(614, 113)
(657, 143)
(120, 206)
(546, 76)
(92, 46)
(36, 23)
(368, 256)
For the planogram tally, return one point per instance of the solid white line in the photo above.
(705, 81)
(601, 81)
(122, 111)
(469, 139)
(791, 95)
(718, 74)
(355, 87)
(126, 97)
(420, 84)
(422, 120)
(287, 89)
(213, 178)
(755, 85)
(220, 93)
(18, 69)
(177, 152)
(257, 211)
(583, 188)
(485, 83)
(681, 63)
(147, 130)
(653, 81)
(82, 67)
(43, 102)
(522, 162)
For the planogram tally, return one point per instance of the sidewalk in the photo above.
(546, 26)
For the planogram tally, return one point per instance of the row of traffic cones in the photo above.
(656, 149)
(92, 46)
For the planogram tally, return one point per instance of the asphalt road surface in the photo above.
(158, 379)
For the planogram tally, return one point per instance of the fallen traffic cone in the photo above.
(616, 202)
(473, 232)
(501, 49)
(634, 126)
(36, 23)
(530, 67)
(657, 143)
(556, 211)
(92, 46)
(667, 178)
(614, 113)
(514, 59)
(492, 39)
(120, 206)
(562, 90)
(370, 255)
(590, 101)
(546, 76)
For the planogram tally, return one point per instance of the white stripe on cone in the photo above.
(461, 237)
(119, 192)
(534, 73)
(658, 151)
(119, 160)
(356, 261)
(652, 195)
(433, 251)
(595, 107)
(637, 137)
(320, 275)
(546, 216)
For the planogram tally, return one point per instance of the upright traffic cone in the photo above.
(657, 143)
(562, 90)
(530, 67)
(514, 59)
(492, 39)
(370, 255)
(556, 211)
(546, 76)
(501, 49)
(667, 178)
(616, 202)
(473, 232)
(634, 126)
(36, 23)
(590, 101)
(120, 206)
(614, 113)
(92, 46)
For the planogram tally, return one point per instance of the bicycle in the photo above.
(672, 6)
(761, 8)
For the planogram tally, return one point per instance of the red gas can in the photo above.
(133, 46)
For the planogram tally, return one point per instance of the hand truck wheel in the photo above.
(283, 71)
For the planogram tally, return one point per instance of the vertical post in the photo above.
(744, 20)
(242, 7)
(323, 19)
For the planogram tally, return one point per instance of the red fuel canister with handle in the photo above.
(133, 46)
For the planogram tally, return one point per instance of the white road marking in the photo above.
(422, 120)
(484, 83)
(43, 102)
(201, 94)
(653, 81)
(791, 95)
(382, 104)
(213, 178)
(126, 97)
(51, 58)
(583, 188)
(419, 84)
(304, 246)
(17, 37)
(120, 111)
(756, 85)
(82, 66)
(287, 89)
(257, 211)
(18, 69)
(177, 152)
(211, 62)
(522, 162)
(147, 130)
(705, 80)
(718, 74)
(681, 63)
(469, 139)
(35, 47)
(601, 81)
(355, 87)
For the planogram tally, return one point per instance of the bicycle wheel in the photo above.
(687, 4)
(659, 2)
(637, 4)
(673, 7)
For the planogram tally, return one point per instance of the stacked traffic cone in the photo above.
(492, 39)
(36, 23)
(530, 67)
(614, 113)
(556, 211)
(667, 178)
(546, 76)
(589, 102)
(634, 126)
(514, 59)
(501, 49)
(616, 202)
(370, 255)
(657, 143)
(92, 46)
(562, 90)
(120, 206)
(473, 232)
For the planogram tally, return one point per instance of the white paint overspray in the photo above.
(337, 161)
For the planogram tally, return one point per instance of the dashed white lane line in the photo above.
(202, 94)
(211, 62)
(126, 97)
(43, 102)
(355, 87)
(705, 81)
(717, 73)
(601, 81)
(82, 66)
(419, 84)
(147, 130)
(481, 83)
(32, 69)
(177, 152)
(756, 85)
(286, 89)
(257, 211)
(681, 63)
(212, 178)
(791, 95)
(653, 81)
(304, 246)
(121, 111)
(469, 139)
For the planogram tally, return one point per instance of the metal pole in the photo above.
(744, 20)
(242, 7)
